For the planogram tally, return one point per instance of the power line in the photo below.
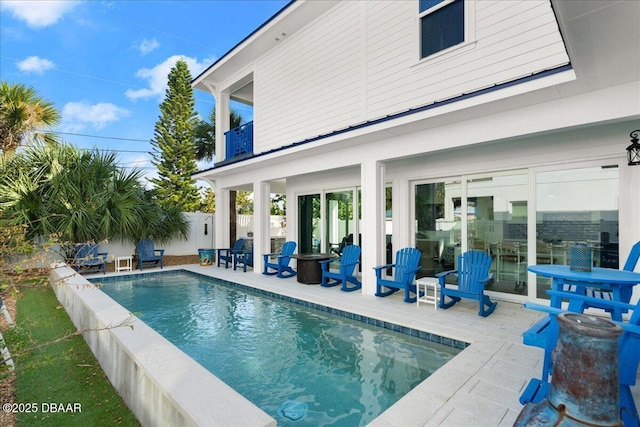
(95, 136)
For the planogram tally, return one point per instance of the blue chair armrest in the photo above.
(324, 262)
(635, 329)
(442, 277)
(379, 269)
(161, 251)
(543, 308)
(446, 273)
(383, 267)
(102, 255)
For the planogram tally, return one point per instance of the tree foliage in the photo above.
(205, 134)
(23, 115)
(208, 201)
(173, 144)
(55, 189)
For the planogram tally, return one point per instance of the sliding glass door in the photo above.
(576, 206)
(520, 218)
(340, 223)
(309, 231)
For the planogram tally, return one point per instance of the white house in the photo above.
(441, 124)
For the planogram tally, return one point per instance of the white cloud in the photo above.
(38, 13)
(78, 115)
(147, 46)
(34, 64)
(156, 77)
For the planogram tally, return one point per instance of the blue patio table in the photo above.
(619, 281)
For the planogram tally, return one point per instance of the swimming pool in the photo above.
(301, 365)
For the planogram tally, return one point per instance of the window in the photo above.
(441, 25)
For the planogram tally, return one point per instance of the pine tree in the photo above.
(173, 144)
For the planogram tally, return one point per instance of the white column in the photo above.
(400, 209)
(222, 218)
(223, 110)
(261, 223)
(628, 223)
(373, 233)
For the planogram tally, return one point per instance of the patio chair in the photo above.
(628, 355)
(538, 334)
(473, 275)
(405, 268)
(226, 254)
(88, 260)
(607, 294)
(148, 254)
(281, 266)
(243, 257)
(345, 275)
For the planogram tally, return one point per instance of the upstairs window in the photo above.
(441, 25)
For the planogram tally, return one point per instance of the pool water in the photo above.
(303, 366)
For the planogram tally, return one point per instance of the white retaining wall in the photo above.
(161, 384)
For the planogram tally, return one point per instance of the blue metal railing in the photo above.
(239, 140)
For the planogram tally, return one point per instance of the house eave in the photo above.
(292, 17)
(560, 74)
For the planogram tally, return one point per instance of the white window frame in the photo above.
(469, 33)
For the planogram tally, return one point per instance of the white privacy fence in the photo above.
(201, 236)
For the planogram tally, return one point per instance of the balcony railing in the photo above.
(239, 141)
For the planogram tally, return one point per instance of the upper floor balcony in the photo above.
(239, 142)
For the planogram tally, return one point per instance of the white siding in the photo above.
(359, 61)
(311, 84)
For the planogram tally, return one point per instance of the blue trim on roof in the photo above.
(285, 7)
(389, 117)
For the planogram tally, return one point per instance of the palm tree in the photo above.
(56, 189)
(23, 115)
(205, 134)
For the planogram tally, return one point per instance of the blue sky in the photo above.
(104, 64)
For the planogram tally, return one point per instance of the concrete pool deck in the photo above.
(479, 387)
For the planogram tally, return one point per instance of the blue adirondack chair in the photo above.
(87, 259)
(148, 254)
(281, 266)
(606, 294)
(473, 275)
(226, 254)
(545, 331)
(243, 257)
(348, 261)
(628, 356)
(404, 271)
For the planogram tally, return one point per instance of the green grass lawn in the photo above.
(62, 382)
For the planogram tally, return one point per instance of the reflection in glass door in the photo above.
(497, 224)
(309, 223)
(576, 206)
(339, 220)
(437, 230)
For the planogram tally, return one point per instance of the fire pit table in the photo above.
(309, 270)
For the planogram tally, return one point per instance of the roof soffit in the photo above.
(290, 20)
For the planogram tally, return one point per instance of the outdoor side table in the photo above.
(423, 285)
(126, 266)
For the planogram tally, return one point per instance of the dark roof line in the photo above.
(534, 76)
(265, 23)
